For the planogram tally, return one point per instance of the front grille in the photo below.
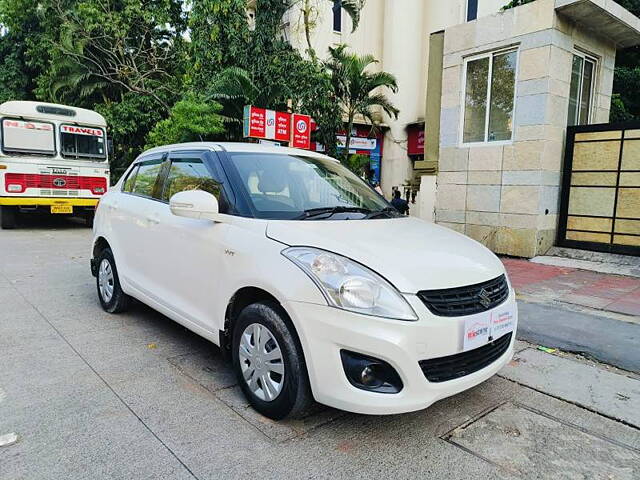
(456, 302)
(461, 364)
(58, 185)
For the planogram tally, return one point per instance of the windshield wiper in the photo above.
(388, 211)
(329, 211)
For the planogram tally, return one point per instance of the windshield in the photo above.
(21, 136)
(281, 186)
(82, 142)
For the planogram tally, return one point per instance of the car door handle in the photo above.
(153, 220)
(113, 206)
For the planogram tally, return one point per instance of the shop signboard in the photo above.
(415, 143)
(301, 131)
(357, 143)
(255, 122)
(267, 124)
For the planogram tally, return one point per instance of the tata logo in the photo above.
(59, 182)
(484, 298)
(301, 126)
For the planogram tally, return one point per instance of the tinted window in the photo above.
(146, 178)
(189, 174)
(131, 178)
(337, 15)
(472, 10)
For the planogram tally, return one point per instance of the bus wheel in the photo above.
(7, 217)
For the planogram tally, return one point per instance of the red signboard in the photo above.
(283, 127)
(301, 131)
(255, 122)
(415, 144)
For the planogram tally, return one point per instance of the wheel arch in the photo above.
(242, 298)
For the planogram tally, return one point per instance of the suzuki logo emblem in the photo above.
(484, 298)
(59, 182)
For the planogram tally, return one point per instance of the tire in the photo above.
(294, 396)
(112, 298)
(8, 217)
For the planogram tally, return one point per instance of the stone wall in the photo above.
(507, 196)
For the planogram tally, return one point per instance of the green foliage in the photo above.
(625, 104)
(357, 90)
(516, 3)
(130, 121)
(163, 70)
(191, 120)
(358, 164)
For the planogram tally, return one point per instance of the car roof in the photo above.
(239, 147)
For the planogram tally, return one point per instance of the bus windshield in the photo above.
(19, 136)
(82, 142)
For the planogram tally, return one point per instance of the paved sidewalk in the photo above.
(547, 283)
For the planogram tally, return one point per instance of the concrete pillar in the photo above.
(403, 49)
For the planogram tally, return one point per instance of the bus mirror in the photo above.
(110, 146)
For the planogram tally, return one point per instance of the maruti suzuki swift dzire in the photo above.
(311, 283)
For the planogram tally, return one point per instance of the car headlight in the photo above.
(350, 286)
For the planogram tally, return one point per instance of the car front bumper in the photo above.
(324, 331)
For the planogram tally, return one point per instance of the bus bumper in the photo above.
(46, 201)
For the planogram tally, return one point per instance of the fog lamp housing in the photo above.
(369, 373)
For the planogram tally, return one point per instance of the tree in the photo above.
(109, 48)
(625, 104)
(23, 53)
(357, 89)
(191, 119)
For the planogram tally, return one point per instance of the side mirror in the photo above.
(195, 204)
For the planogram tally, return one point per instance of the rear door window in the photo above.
(130, 180)
(145, 183)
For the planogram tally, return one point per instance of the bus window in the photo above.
(28, 137)
(82, 142)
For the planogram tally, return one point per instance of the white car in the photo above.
(305, 276)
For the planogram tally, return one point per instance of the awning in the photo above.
(604, 17)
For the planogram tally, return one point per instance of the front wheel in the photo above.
(112, 298)
(8, 217)
(269, 363)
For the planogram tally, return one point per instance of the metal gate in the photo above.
(600, 199)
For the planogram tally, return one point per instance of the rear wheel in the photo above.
(8, 217)
(269, 362)
(112, 298)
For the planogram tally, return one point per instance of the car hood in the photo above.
(412, 254)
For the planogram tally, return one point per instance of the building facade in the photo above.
(492, 92)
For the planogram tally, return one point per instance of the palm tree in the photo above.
(234, 88)
(358, 90)
(311, 10)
